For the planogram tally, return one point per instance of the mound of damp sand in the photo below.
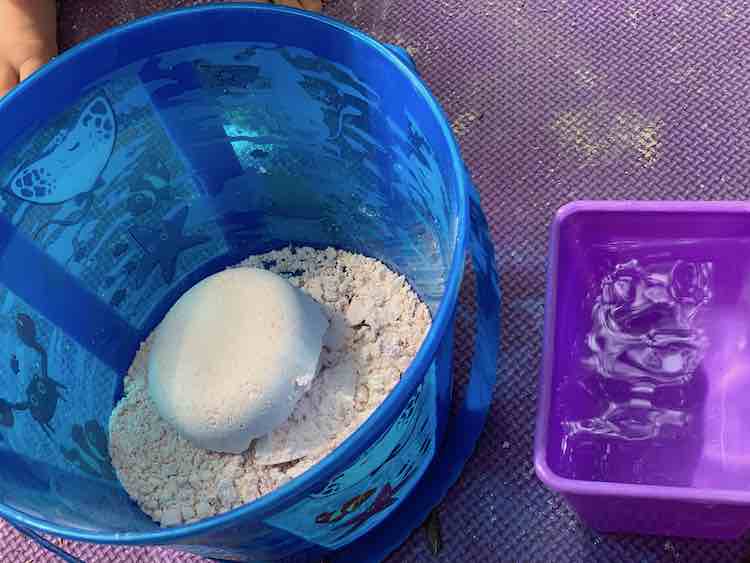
(377, 324)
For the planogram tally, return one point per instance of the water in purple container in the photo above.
(652, 382)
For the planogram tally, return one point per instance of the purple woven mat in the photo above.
(552, 101)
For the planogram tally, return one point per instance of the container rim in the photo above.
(350, 449)
(579, 487)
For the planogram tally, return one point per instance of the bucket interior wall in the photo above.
(163, 171)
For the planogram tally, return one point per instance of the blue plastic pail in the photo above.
(165, 150)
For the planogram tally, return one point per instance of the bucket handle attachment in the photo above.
(46, 544)
(403, 56)
(464, 429)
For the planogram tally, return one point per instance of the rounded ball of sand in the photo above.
(233, 356)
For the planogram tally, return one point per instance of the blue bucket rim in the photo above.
(388, 411)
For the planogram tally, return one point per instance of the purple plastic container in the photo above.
(644, 409)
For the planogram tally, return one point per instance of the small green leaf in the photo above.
(434, 532)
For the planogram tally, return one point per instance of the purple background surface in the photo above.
(552, 101)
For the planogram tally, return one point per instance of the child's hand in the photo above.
(314, 5)
(28, 39)
(28, 36)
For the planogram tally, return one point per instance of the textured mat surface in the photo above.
(552, 101)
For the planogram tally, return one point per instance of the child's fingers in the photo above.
(31, 66)
(8, 79)
(315, 5)
(289, 3)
